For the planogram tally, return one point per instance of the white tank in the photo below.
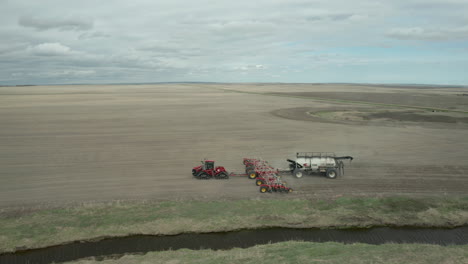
(315, 162)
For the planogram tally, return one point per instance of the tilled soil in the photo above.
(65, 144)
(420, 99)
(359, 115)
(389, 179)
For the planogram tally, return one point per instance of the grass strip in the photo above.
(305, 252)
(46, 227)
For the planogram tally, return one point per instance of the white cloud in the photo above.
(218, 40)
(50, 49)
(418, 33)
(250, 67)
(45, 23)
(93, 35)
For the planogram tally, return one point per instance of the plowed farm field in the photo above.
(66, 144)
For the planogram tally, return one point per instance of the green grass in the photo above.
(44, 227)
(305, 252)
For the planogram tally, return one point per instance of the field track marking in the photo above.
(348, 101)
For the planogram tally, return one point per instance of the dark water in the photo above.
(240, 239)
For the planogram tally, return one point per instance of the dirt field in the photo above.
(61, 144)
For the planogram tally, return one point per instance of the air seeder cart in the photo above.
(326, 163)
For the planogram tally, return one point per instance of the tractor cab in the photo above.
(208, 165)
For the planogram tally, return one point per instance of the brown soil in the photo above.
(62, 144)
(421, 99)
(411, 116)
(353, 115)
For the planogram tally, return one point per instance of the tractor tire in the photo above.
(331, 173)
(298, 173)
(264, 189)
(252, 175)
(259, 182)
(194, 173)
(203, 176)
(222, 176)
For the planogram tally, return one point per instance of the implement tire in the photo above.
(252, 175)
(331, 173)
(263, 189)
(259, 182)
(298, 173)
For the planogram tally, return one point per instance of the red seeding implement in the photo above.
(259, 170)
(265, 176)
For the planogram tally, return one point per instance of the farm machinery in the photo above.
(208, 170)
(265, 176)
(268, 178)
(326, 163)
(259, 170)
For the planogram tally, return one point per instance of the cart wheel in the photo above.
(298, 173)
(252, 175)
(263, 189)
(331, 173)
(259, 182)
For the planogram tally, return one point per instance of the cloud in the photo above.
(43, 23)
(255, 67)
(168, 40)
(418, 33)
(50, 49)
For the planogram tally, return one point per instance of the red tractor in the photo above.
(208, 170)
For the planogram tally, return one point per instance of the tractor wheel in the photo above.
(222, 176)
(259, 182)
(331, 173)
(194, 172)
(203, 176)
(264, 189)
(298, 173)
(252, 175)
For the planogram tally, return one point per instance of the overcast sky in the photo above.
(365, 41)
